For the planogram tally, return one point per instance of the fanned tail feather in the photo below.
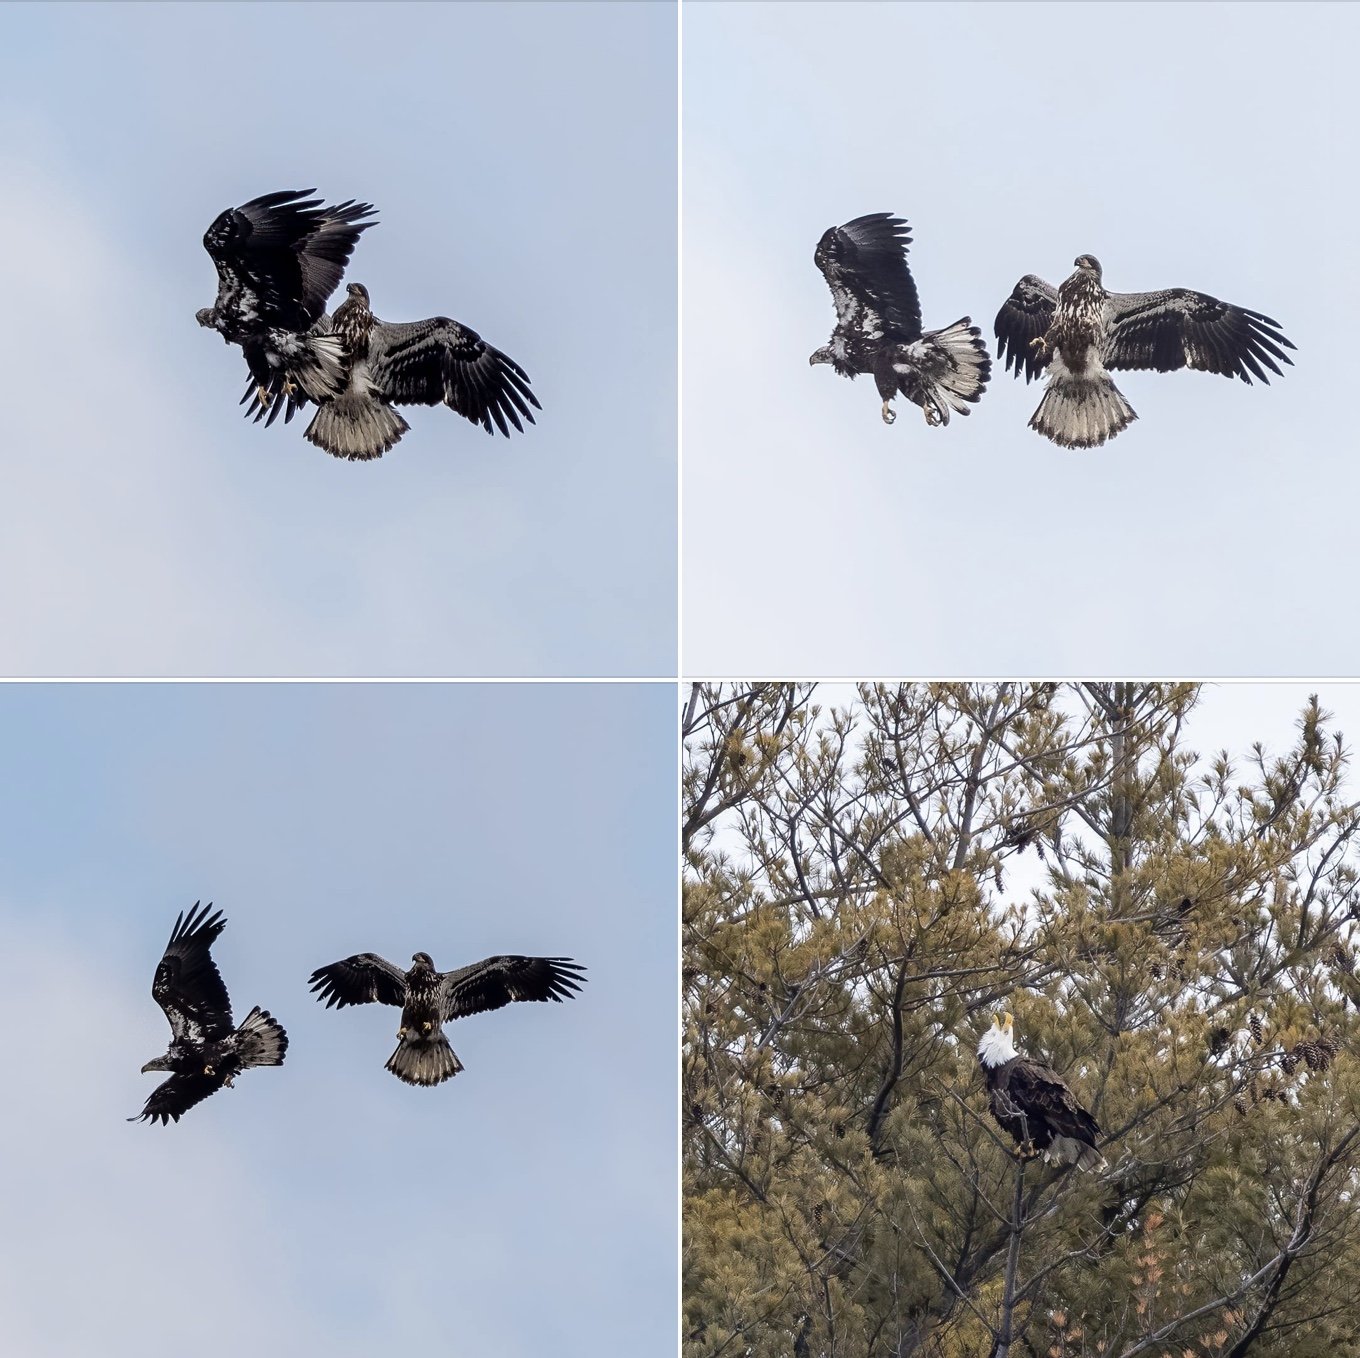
(945, 371)
(1081, 412)
(424, 1060)
(356, 427)
(260, 1040)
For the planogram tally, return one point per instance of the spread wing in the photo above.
(864, 263)
(187, 984)
(1179, 328)
(361, 979)
(1024, 316)
(500, 980)
(175, 1096)
(439, 361)
(279, 257)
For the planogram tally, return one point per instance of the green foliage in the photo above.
(866, 886)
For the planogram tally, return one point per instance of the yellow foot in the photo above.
(262, 396)
(932, 415)
(288, 387)
(889, 415)
(1040, 345)
(425, 1027)
(401, 1033)
(208, 1070)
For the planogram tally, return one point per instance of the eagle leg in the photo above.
(889, 415)
(289, 387)
(401, 1033)
(932, 416)
(262, 396)
(426, 1026)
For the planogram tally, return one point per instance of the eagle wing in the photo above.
(1037, 1087)
(864, 263)
(1025, 315)
(280, 256)
(187, 984)
(174, 1097)
(440, 361)
(1179, 328)
(498, 981)
(361, 979)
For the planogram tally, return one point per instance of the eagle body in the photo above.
(432, 362)
(207, 1051)
(1078, 333)
(1033, 1103)
(878, 323)
(428, 999)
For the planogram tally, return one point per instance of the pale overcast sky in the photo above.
(526, 1207)
(1185, 145)
(522, 158)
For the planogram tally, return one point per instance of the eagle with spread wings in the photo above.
(279, 257)
(1079, 332)
(428, 999)
(206, 1050)
(432, 362)
(878, 323)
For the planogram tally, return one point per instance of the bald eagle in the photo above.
(878, 323)
(279, 257)
(1078, 332)
(430, 362)
(1032, 1102)
(206, 1051)
(429, 998)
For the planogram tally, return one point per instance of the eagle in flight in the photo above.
(279, 257)
(1079, 332)
(433, 362)
(878, 323)
(206, 1050)
(428, 999)
(1032, 1102)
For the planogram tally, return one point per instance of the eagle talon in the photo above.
(262, 396)
(426, 1026)
(401, 1034)
(288, 387)
(889, 415)
(1040, 346)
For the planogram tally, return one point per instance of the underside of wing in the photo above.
(440, 361)
(174, 1097)
(1180, 328)
(499, 981)
(865, 265)
(364, 978)
(1025, 315)
(187, 984)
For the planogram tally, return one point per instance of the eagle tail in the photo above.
(260, 1040)
(356, 426)
(1067, 1150)
(320, 368)
(945, 371)
(1081, 412)
(424, 1060)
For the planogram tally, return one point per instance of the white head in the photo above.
(998, 1042)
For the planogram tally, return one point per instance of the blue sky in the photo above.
(527, 1206)
(522, 160)
(1184, 145)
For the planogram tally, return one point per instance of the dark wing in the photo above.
(439, 361)
(500, 980)
(361, 979)
(188, 985)
(1024, 316)
(864, 263)
(1039, 1087)
(1178, 328)
(175, 1096)
(279, 257)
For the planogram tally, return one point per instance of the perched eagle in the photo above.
(1033, 1103)
(419, 363)
(279, 258)
(1079, 331)
(429, 998)
(206, 1051)
(878, 323)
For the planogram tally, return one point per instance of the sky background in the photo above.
(526, 1207)
(522, 158)
(1194, 145)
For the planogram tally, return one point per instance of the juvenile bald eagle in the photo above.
(206, 1051)
(1079, 332)
(279, 257)
(429, 998)
(418, 363)
(878, 323)
(1033, 1103)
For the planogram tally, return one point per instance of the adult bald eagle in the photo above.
(1079, 332)
(429, 362)
(429, 998)
(878, 323)
(206, 1051)
(279, 257)
(1033, 1103)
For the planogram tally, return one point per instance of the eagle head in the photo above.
(160, 1063)
(998, 1042)
(1088, 262)
(359, 291)
(421, 959)
(822, 355)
